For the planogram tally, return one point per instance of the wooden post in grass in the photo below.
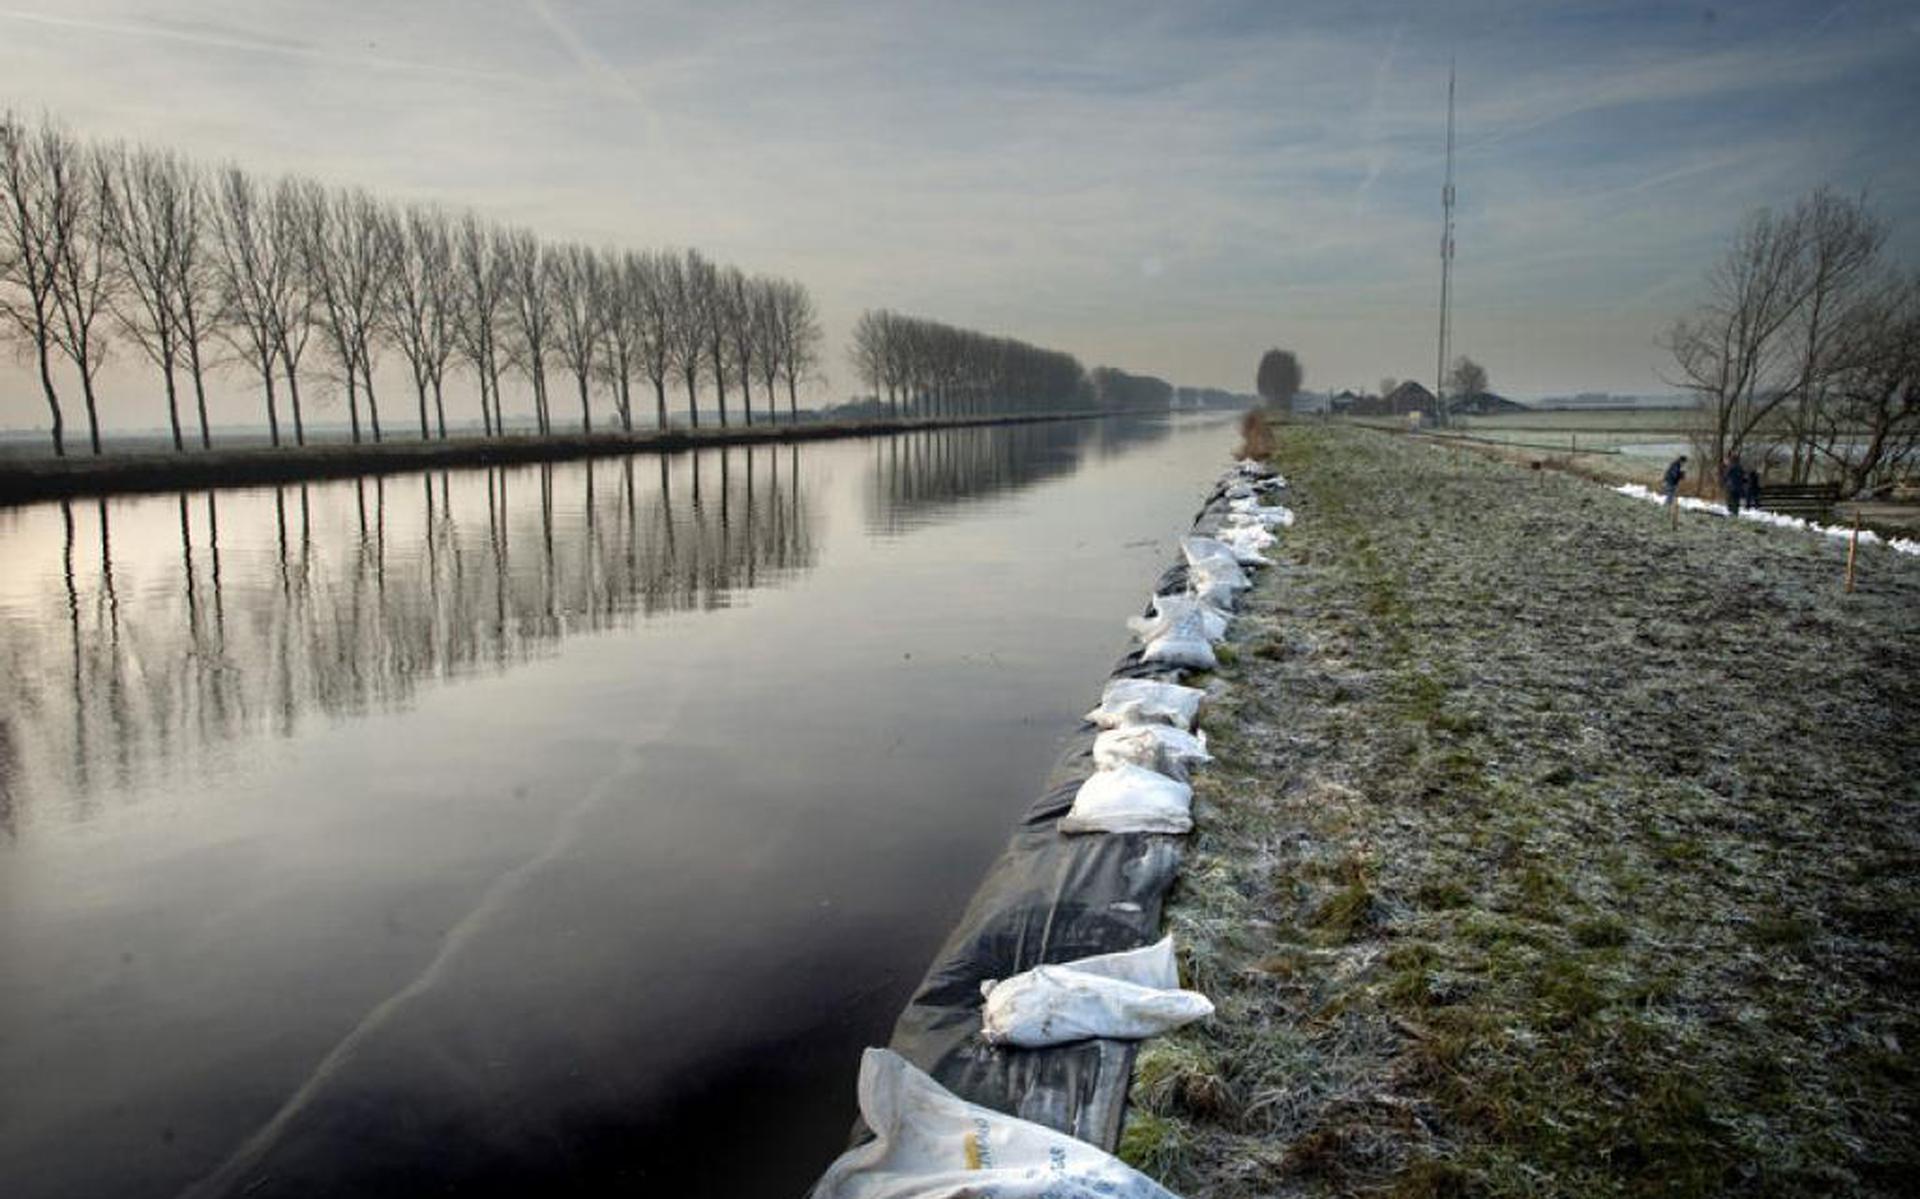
(1853, 548)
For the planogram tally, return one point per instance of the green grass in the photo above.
(1498, 895)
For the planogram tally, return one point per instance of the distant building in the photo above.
(1408, 397)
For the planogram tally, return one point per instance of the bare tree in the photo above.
(577, 286)
(530, 267)
(715, 285)
(1735, 354)
(253, 279)
(142, 219)
(868, 351)
(1467, 379)
(742, 334)
(1870, 418)
(687, 279)
(796, 337)
(295, 312)
(1388, 384)
(1279, 377)
(1841, 241)
(480, 309)
(37, 217)
(935, 367)
(765, 315)
(622, 333)
(366, 241)
(196, 288)
(348, 260)
(86, 273)
(419, 311)
(646, 278)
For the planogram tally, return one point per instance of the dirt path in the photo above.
(1549, 852)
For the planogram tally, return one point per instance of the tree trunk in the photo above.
(693, 406)
(793, 405)
(660, 401)
(93, 410)
(439, 409)
(586, 408)
(353, 404)
(746, 399)
(173, 399)
(373, 404)
(420, 391)
(199, 393)
(293, 398)
(53, 403)
(273, 405)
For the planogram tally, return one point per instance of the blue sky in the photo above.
(1165, 187)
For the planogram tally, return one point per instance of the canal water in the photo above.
(559, 829)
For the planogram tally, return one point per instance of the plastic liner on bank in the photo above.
(1059, 949)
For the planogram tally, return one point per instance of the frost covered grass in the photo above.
(1547, 851)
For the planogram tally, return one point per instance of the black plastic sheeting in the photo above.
(1049, 898)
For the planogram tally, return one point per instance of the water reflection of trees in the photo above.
(255, 611)
(918, 477)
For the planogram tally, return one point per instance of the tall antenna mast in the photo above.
(1446, 267)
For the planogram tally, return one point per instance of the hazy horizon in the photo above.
(1166, 191)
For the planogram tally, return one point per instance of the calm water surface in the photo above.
(550, 830)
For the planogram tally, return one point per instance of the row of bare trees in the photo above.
(1806, 353)
(202, 268)
(926, 368)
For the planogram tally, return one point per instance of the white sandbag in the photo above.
(1208, 551)
(1160, 748)
(931, 1144)
(1213, 574)
(1183, 648)
(1214, 586)
(1253, 468)
(1130, 799)
(1122, 996)
(1171, 612)
(1144, 701)
(1277, 514)
(1246, 542)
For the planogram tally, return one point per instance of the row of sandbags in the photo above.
(929, 1143)
(1149, 743)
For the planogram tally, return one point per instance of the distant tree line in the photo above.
(201, 267)
(1211, 397)
(1807, 350)
(925, 368)
(1115, 388)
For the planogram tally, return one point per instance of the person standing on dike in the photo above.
(1676, 471)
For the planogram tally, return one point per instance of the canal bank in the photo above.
(958, 1100)
(1546, 850)
(25, 480)
(576, 817)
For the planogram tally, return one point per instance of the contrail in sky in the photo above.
(253, 45)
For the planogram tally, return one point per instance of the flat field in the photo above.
(1549, 851)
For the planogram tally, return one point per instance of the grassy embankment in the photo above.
(23, 479)
(1548, 851)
